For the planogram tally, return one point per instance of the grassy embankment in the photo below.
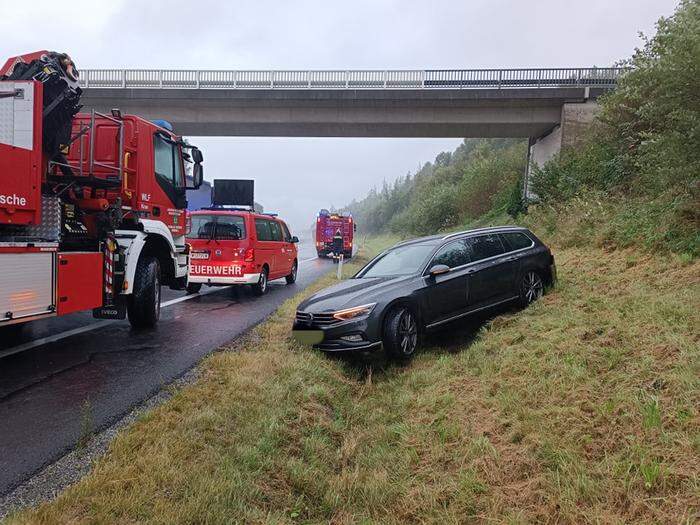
(582, 408)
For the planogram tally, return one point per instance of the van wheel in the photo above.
(143, 305)
(400, 335)
(292, 277)
(531, 288)
(193, 288)
(260, 288)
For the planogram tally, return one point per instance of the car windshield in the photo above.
(403, 260)
(222, 227)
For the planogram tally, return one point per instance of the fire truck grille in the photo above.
(316, 319)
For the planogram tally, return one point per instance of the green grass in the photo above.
(581, 408)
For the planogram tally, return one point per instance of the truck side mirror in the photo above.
(354, 227)
(197, 176)
(197, 156)
(295, 239)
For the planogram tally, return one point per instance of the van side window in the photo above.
(453, 254)
(517, 240)
(262, 230)
(285, 233)
(485, 246)
(275, 231)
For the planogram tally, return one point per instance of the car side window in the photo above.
(275, 231)
(485, 246)
(285, 232)
(262, 230)
(517, 240)
(452, 254)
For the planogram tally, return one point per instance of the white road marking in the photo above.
(99, 324)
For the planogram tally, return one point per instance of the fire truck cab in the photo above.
(92, 205)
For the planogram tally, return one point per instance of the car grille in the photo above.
(316, 319)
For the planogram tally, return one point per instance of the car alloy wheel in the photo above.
(263, 282)
(408, 333)
(532, 287)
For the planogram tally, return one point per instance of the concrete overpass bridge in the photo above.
(548, 106)
(419, 103)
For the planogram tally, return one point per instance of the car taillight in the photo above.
(249, 255)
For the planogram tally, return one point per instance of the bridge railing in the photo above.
(350, 79)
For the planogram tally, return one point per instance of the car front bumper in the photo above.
(330, 338)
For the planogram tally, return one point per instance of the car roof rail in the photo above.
(482, 230)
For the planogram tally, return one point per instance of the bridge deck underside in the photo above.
(514, 112)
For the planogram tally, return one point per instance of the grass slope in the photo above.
(582, 408)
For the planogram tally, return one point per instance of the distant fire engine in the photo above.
(327, 224)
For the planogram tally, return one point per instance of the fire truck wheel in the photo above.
(144, 302)
(261, 287)
(347, 255)
(194, 288)
(292, 277)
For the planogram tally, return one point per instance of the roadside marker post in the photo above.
(340, 266)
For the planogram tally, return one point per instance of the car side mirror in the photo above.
(438, 269)
(295, 239)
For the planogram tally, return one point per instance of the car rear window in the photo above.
(517, 240)
(223, 227)
(485, 246)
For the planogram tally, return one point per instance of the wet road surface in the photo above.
(96, 371)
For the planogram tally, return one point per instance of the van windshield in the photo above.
(221, 227)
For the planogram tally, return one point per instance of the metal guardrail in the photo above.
(349, 79)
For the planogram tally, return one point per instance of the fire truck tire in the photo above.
(194, 288)
(260, 288)
(144, 303)
(292, 277)
(347, 255)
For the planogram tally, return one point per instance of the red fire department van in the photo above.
(239, 247)
(327, 224)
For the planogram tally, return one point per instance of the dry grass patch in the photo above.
(582, 408)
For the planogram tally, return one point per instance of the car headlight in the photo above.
(355, 312)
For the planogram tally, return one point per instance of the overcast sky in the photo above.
(298, 176)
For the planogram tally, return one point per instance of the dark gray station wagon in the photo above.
(423, 284)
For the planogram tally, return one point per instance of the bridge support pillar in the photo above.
(576, 118)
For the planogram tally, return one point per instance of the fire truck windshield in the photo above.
(221, 227)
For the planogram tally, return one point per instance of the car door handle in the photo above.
(509, 259)
(471, 270)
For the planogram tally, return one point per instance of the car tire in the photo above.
(143, 305)
(193, 288)
(401, 333)
(531, 288)
(292, 277)
(260, 288)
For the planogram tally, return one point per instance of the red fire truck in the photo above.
(327, 224)
(92, 206)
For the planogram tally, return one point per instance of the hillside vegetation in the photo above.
(634, 180)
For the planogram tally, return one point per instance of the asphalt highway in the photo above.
(75, 369)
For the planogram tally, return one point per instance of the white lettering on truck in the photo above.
(12, 200)
(205, 269)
